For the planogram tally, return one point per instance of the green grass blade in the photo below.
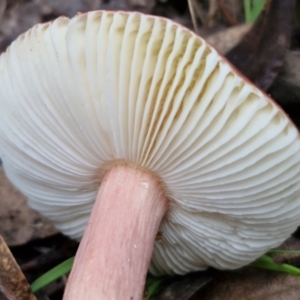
(284, 252)
(258, 5)
(267, 262)
(154, 285)
(52, 275)
(252, 9)
(247, 8)
(153, 289)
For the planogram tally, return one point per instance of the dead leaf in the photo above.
(145, 6)
(212, 13)
(224, 40)
(236, 8)
(291, 244)
(184, 287)
(251, 284)
(19, 223)
(17, 20)
(13, 285)
(224, 7)
(69, 8)
(22, 16)
(286, 87)
(260, 54)
(2, 8)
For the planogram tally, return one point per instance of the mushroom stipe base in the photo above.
(117, 245)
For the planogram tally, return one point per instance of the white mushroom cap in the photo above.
(78, 96)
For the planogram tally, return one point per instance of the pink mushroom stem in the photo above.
(117, 245)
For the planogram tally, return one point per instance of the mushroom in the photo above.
(140, 121)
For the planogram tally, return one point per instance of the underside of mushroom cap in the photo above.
(78, 96)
